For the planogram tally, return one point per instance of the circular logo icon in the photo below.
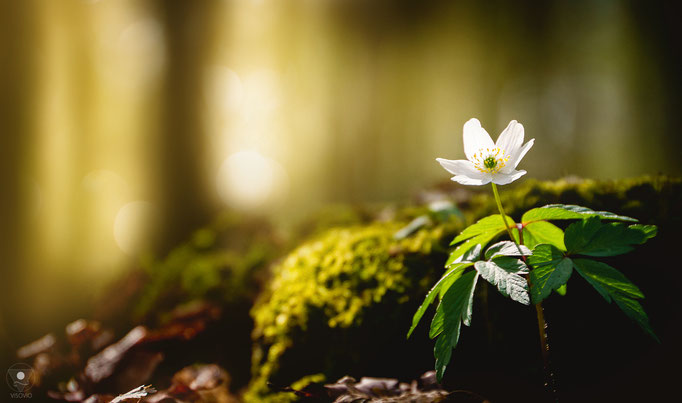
(20, 377)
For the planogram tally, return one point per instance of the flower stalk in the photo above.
(504, 217)
(550, 382)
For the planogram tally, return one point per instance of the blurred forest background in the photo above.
(127, 124)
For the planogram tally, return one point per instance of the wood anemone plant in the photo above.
(538, 257)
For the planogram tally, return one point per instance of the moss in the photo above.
(223, 262)
(341, 302)
(326, 289)
(633, 196)
(332, 216)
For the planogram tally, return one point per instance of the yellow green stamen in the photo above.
(490, 160)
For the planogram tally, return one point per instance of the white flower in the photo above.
(487, 161)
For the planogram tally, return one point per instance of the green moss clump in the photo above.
(341, 303)
(225, 262)
(646, 198)
(325, 293)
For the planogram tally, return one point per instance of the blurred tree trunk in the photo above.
(183, 188)
(17, 42)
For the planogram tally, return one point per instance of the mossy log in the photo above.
(341, 303)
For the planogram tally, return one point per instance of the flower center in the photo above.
(490, 160)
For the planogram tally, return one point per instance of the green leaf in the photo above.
(486, 225)
(438, 321)
(470, 255)
(649, 231)
(461, 253)
(504, 274)
(537, 232)
(613, 285)
(580, 233)
(447, 283)
(550, 270)
(443, 284)
(454, 309)
(592, 238)
(607, 278)
(506, 248)
(633, 309)
(562, 290)
(443, 350)
(512, 264)
(568, 212)
(481, 233)
(615, 239)
(439, 318)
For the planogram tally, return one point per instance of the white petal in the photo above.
(511, 138)
(465, 180)
(522, 153)
(465, 172)
(504, 179)
(458, 167)
(475, 138)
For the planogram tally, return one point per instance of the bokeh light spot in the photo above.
(133, 225)
(247, 179)
(223, 89)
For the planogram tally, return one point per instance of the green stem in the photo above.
(550, 382)
(550, 379)
(504, 216)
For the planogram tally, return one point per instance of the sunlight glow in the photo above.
(223, 88)
(247, 180)
(141, 53)
(132, 227)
